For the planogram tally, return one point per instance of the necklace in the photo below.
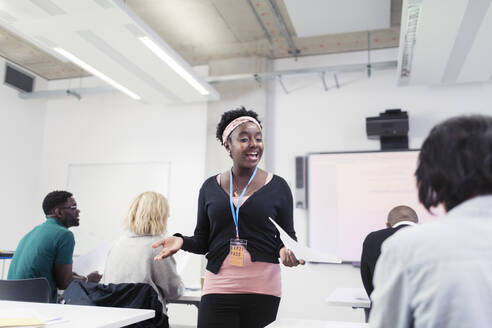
(236, 189)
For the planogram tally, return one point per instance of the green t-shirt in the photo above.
(39, 250)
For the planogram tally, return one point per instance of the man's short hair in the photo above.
(455, 162)
(55, 199)
(402, 213)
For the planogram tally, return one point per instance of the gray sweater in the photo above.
(131, 260)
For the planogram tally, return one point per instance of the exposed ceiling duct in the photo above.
(210, 30)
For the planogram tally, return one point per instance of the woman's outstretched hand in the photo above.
(289, 259)
(170, 245)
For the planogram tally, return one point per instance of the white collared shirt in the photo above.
(404, 223)
(437, 274)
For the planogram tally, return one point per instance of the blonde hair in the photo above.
(148, 214)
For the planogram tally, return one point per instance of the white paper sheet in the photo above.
(303, 252)
(27, 317)
(94, 260)
(181, 259)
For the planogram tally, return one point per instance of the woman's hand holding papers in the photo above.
(170, 245)
(289, 259)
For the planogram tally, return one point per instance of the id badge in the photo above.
(237, 248)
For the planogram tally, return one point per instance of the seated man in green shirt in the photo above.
(47, 250)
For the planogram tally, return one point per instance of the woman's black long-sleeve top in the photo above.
(215, 225)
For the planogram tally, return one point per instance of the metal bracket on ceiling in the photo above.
(335, 77)
(258, 79)
(73, 93)
(324, 81)
(69, 92)
(335, 70)
(279, 77)
(369, 55)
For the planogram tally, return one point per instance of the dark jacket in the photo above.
(126, 295)
(371, 249)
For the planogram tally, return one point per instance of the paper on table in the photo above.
(304, 252)
(23, 317)
(20, 322)
(91, 261)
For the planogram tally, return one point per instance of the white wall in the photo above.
(245, 93)
(21, 139)
(308, 119)
(112, 128)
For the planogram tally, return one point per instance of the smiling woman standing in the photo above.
(242, 282)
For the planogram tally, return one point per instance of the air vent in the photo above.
(18, 79)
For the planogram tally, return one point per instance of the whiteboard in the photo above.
(350, 195)
(104, 193)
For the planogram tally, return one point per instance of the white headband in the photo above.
(235, 123)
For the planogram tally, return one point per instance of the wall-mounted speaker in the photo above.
(18, 79)
(300, 194)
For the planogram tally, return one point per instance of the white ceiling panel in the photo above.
(192, 22)
(436, 34)
(451, 48)
(478, 63)
(318, 17)
(100, 36)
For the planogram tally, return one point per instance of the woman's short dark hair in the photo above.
(54, 199)
(455, 162)
(231, 115)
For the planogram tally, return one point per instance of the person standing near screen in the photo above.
(242, 285)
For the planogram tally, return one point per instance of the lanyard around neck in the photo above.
(235, 214)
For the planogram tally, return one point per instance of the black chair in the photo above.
(123, 295)
(27, 290)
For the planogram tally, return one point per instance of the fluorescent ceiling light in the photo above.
(174, 65)
(410, 37)
(95, 72)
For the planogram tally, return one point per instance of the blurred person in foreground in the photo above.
(439, 274)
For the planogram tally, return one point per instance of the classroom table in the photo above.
(81, 316)
(190, 296)
(353, 297)
(305, 323)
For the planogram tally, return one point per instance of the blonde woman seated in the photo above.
(131, 259)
